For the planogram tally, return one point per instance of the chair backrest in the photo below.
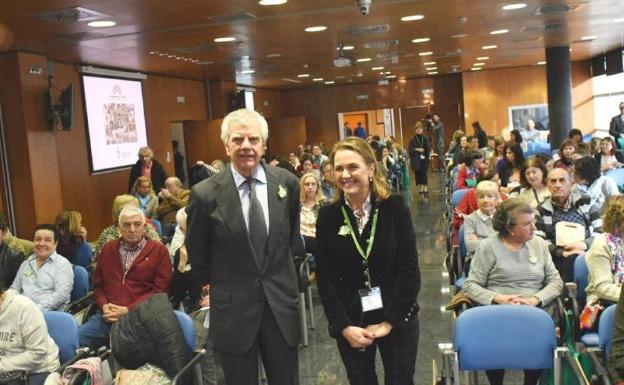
(505, 337)
(83, 255)
(581, 278)
(188, 330)
(617, 175)
(81, 283)
(63, 329)
(605, 329)
(463, 251)
(457, 196)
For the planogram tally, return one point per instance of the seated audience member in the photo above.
(458, 151)
(576, 135)
(311, 199)
(24, 341)
(317, 156)
(10, 260)
(307, 165)
(513, 267)
(112, 232)
(467, 206)
(489, 149)
(496, 157)
(566, 154)
(148, 201)
(568, 206)
(509, 170)
(589, 181)
(478, 225)
(480, 134)
(533, 189)
(516, 138)
(605, 258)
(474, 142)
(454, 142)
(293, 160)
(129, 271)
(530, 133)
(328, 183)
(608, 158)
(172, 198)
(47, 278)
(468, 176)
(149, 167)
(71, 234)
(282, 162)
(181, 281)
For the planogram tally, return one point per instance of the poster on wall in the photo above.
(521, 116)
(115, 121)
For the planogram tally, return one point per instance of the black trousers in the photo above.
(531, 377)
(565, 266)
(398, 353)
(421, 174)
(280, 361)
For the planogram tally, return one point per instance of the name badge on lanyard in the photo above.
(370, 297)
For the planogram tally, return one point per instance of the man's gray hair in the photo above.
(175, 179)
(243, 117)
(130, 211)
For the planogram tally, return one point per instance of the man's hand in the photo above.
(357, 337)
(380, 330)
(112, 312)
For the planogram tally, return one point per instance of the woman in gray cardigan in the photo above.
(513, 267)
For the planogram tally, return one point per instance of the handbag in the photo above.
(15, 377)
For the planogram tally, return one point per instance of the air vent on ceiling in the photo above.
(550, 9)
(381, 44)
(526, 40)
(367, 30)
(549, 27)
(233, 18)
(196, 49)
(457, 52)
(81, 36)
(71, 15)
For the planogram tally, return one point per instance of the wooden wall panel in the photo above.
(583, 97)
(220, 97)
(268, 103)
(285, 134)
(203, 142)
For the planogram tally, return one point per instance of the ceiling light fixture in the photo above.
(364, 59)
(541, 63)
(225, 39)
(428, 53)
(459, 35)
(514, 6)
(429, 63)
(412, 18)
(421, 40)
(483, 58)
(431, 68)
(330, 82)
(247, 72)
(318, 79)
(618, 20)
(377, 68)
(588, 38)
(478, 64)
(490, 46)
(499, 32)
(102, 24)
(272, 2)
(432, 73)
(303, 76)
(274, 55)
(476, 68)
(317, 28)
(346, 48)
(391, 77)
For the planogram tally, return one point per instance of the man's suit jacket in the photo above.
(616, 127)
(221, 254)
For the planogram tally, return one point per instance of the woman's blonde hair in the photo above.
(146, 151)
(137, 183)
(379, 185)
(120, 201)
(418, 125)
(68, 223)
(319, 193)
(613, 216)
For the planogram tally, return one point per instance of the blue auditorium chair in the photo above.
(598, 356)
(63, 329)
(188, 330)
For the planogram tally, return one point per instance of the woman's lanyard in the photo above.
(422, 141)
(371, 240)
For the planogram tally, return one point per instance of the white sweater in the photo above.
(24, 340)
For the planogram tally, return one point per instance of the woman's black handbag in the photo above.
(15, 377)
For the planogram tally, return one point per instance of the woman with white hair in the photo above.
(149, 167)
(478, 225)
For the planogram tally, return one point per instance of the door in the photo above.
(354, 119)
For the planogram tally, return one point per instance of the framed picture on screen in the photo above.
(115, 121)
(519, 116)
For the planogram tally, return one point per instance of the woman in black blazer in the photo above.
(367, 269)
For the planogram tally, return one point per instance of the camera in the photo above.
(364, 6)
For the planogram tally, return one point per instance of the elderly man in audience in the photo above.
(47, 278)
(513, 267)
(568, 220)
(10, 260)
(129, 271)
(478, 225)
(172, 199)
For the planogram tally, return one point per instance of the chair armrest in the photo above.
(70, 305)
(198, 356)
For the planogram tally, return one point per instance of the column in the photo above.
(559, 81)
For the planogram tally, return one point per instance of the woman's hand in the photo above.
(380, 330)
(514, 299)
(357, 337)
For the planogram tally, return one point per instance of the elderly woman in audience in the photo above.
(605, 258)
(10, 259)
(509, 170)
(312, 199)
(530, 134)
(112, 232)
(513, 267)
(533, 178)
(608, 158)
(144, 193)
(468, 176)
(71, 234)
(566, 154)
(478, 225)
(589, 181)
(24, 340)
(47, 278)
(149, 167)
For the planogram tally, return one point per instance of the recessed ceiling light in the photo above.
(499, 32)
(274, 55)
(102, 24)
(618, 20)
(431, 68)
(303, 76)
(346, 48)
(272, 2)
(388, 72)
(478, 64)
(541, 63)
(318, 79)
(224, 39)
(483, 58)
(490, 46)
(429, 63)
(432, 73)
(364, 59)
(428, 53)
(247, 72)
(412, 18)
(476, 68)
(390, 76)
(318, 28)
(330, 82)
(587, 38)
(459, 35)
(153, 53)
(377, 68)
(421, 40)
(511, 7)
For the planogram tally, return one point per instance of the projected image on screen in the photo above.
(116, 121)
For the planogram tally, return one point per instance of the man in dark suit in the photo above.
(616, 128)
(243, 224)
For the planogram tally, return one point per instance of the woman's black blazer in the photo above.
(393, 265)
(619, 156)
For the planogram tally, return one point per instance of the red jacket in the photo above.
(149, 274)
